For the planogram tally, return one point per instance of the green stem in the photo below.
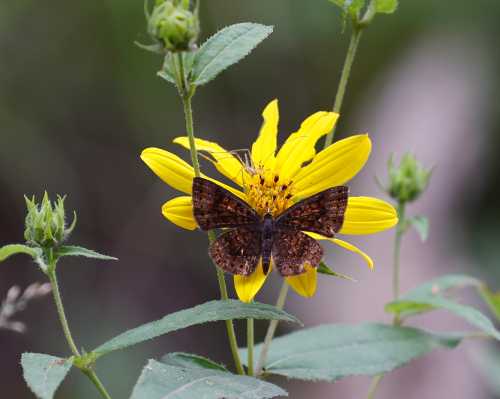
(92, 376)
(374, 385)
(273, 324)
(67, 332)
(250, 343)
(344, 77)
(397, 249)
(231, 335)
(186, 93)
(60, 311)
(400, 229)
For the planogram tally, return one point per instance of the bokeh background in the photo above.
(78, 103)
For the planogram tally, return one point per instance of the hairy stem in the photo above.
(67, 332)
(60, 311)
(231, 335)
(92, 376)
(273, 324)
(373, 386)
(250, 343)
(400, 229)
(186, 93)
(344, 77)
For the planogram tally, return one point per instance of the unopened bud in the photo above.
(45, 224)
(408, 180)
(174, 24)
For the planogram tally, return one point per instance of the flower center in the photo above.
(267, 193)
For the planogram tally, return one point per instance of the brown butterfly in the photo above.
(252, 237)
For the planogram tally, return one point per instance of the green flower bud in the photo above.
(174, 25)
(45, 224)
(408, 180)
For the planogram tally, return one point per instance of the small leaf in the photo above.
(72, 250)
(207, 312)
(421, 225)
(168, 69)
(225, 48)
(386, 6)
(156, 48)
(331, 352)
(162, 381)
(431, 296)
(324, 269)
(188, 360)
(13, 249)
(44, 373)
(351, 7)
(491, 299)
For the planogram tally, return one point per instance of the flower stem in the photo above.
(344, 77)
(397, 250)
(400, 230)
(186, 93)
(273, 324)
(60, 311)
(92, 376)
(250, 343)
(374, 385)
(231, 335)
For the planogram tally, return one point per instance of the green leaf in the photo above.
(421, 225)
(44, 373)
(168, 70)
(351, 7)
(386, 6)
(331, 352)
(13, 249)
(324, 269)
(162, 381)
(431, 296)
(207, 312)
(492, 300)
(189, 360)
(72, 250)
(225, 48)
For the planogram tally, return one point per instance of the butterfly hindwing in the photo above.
(215, 207)
(237, 251)
(292, 250)
(322, 213)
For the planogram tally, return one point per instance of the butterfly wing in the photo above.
(237, 251)
(292, 250)
(322, 213)
(215, 207)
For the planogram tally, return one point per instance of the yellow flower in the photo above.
(275, 180)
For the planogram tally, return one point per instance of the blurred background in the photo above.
(79, 101)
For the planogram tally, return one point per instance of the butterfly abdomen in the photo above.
(268, 231)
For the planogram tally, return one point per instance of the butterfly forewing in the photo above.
(292, 250)
(322, 213)
(215, 207)
(237, 251)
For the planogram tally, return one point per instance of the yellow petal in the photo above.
(304, 284)
(264, 148)
(333, 166)
(176, 172)
(248, 286)
(367, 215)
(180, 212)
(299, 147)
(352, 248)
(170, 168)
(225, 162)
